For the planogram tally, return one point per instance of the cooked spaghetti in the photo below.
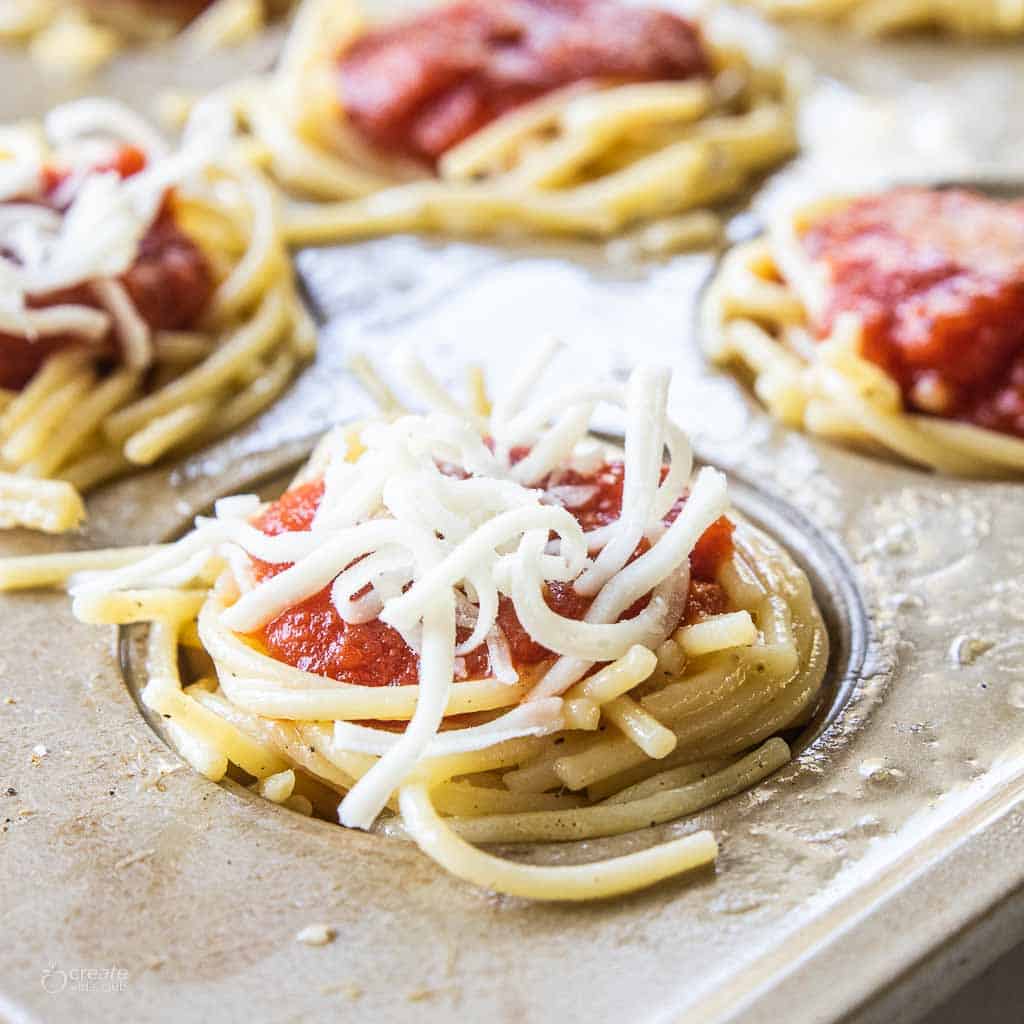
(882, 17)
(892, 321)
(75, 37)
(148, 304)
(553, 117)
(479, 626)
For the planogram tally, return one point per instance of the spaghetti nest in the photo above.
(149, 303)
(562, 150)
(79, 36)
(882, 17)
(819, 343)
(479, 626)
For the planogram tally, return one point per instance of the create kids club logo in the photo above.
(56, 979)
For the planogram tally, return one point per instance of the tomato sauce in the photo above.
(937, 278)
(170, 282)
(313, 637)
(423, 85)
(128, 160)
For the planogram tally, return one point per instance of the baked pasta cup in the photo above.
(78, 36)
(893, 322)
(549, 117)
(884, 17)
(480, 626)
(148, 303)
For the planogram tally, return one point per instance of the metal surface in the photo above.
(851, 885)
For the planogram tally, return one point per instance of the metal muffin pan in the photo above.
(862, 882)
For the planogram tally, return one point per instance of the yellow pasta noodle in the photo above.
(882, 17)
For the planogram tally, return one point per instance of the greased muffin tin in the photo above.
(853, 884)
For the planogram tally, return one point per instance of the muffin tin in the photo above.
(862, 882)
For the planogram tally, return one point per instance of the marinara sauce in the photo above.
(421, 86)
(937, 278)
(313, 637)
(169, 283)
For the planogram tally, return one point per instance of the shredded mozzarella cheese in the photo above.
(537, 718)
(88, 229)
(71, 123)
(403, 535)
(132, 331)
(645, 449)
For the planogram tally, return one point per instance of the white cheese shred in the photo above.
(87, 230)
(439, 521)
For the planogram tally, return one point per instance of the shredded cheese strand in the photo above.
(406, 537)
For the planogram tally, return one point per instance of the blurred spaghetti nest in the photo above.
(642, 160)
(762, 314)
(76, 37)
(151, 304)
(883, 17)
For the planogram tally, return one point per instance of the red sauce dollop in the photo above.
(170, 283)
(938, 280)
(311, 636)
(421, 86)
